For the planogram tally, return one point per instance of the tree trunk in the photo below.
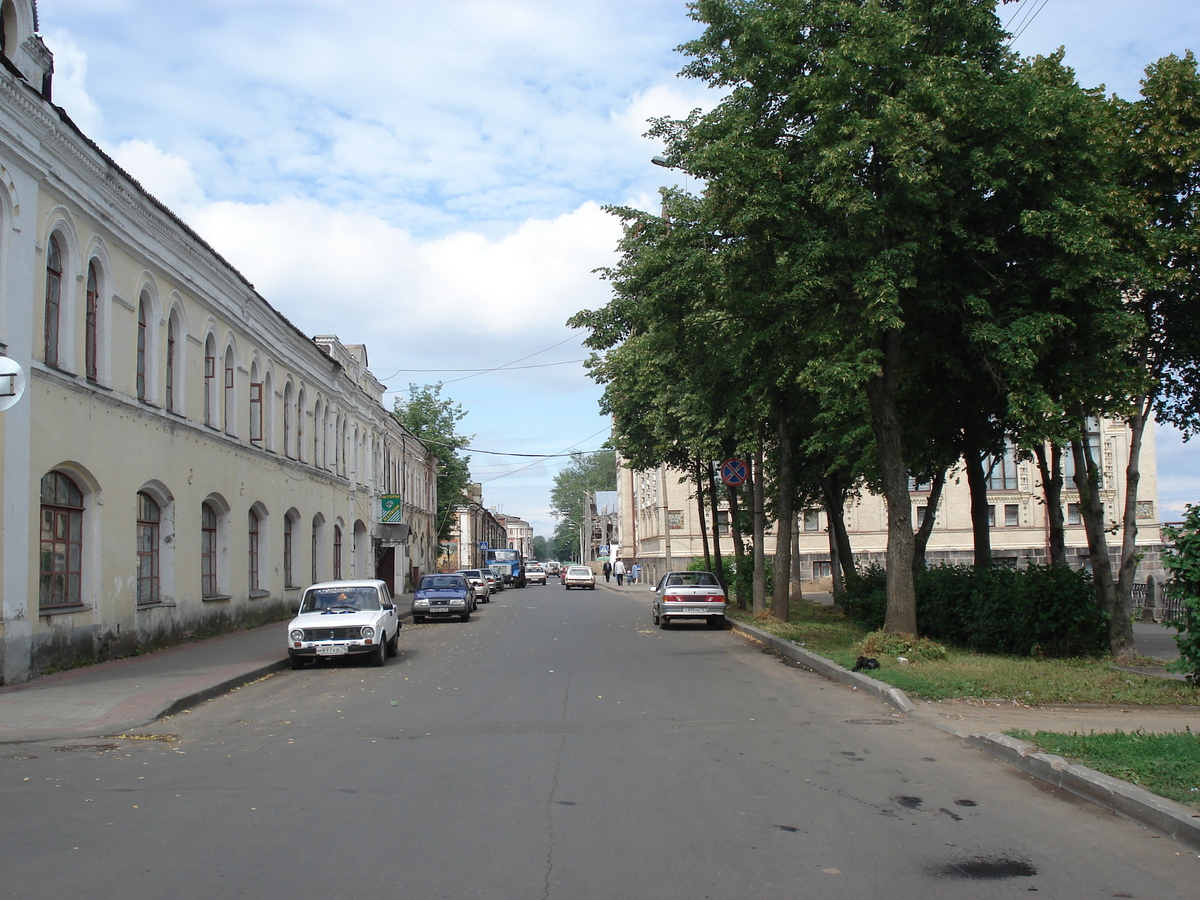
(760, 527)
(1121, 641)
(834, 489)
(700, 508)
(841, 556)
(785, 517)
(739, 546)
(921, 539)
(1052, 485)
(1091, 508)
(881, 394)
(719, 565)
(796, 582)
(981, 526)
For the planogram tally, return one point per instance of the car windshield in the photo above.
(443, 583)
(692, 579)
(340, 598)
(579, 571)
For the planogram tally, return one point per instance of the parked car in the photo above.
(689, 595)
(494, 580)
(344, 618)
(580, 577)
(442, 595)
(535, 575)
(478, 582)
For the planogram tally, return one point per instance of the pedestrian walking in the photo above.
(607, 570)
(619, 571)
(635, 573)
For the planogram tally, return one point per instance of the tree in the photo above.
(434, 419)
(582, 477)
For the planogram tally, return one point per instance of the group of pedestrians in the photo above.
(618, 569)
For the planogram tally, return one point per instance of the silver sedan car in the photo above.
(689, 595)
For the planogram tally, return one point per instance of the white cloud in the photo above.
(70, 82)
(169, 178)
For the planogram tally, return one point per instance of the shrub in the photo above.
(911, 647)
(1038, 611)
(864, 596)
(1182, 559)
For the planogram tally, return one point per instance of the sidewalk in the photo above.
(113, 697)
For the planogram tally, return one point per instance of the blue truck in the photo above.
(509, 563)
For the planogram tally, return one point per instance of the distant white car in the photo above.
(344, 618)
(689, 595)
(535, 575)
(580, 577)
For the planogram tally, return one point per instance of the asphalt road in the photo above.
(556, 746)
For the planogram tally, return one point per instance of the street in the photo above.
(556, 746)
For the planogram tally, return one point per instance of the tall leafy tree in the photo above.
(434, 419)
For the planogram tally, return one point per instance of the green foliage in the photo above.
(434, 419)
(1038, 611)
(1182, 559)
(1166, 764)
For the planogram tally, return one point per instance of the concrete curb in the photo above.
(1164, 816)
(216, 690)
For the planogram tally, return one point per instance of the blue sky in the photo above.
(427, 178)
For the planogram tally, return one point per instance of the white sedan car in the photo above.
(345, 618)
(689, 595)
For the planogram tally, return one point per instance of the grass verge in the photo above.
(966, 675)
(1165, 764)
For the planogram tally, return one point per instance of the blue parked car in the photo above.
(443, 595)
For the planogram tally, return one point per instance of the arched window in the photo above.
(253, 550)
(230, 404)
(149, 518)
(300, 427)
(53, 299)
(91, 349)
(289, 534)
(337, 552)
(287, 422)
(210, 379)
(141, 349)
(208, 550)
(256, 405)
(60, 581)
(172, 349)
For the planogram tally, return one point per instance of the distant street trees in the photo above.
(434, 419)
(583, 476)
(911, 247)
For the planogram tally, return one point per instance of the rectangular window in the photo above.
(1073, 515)
(61, 573)
(210, 376)
(723, 526)
(991, 515)
(822, 568)
(256, 412)
(208, 552)
(812, 520)
(287, 553)
(147, 550)
(253, 551)
(1145, 509)
(1011, 515)
(1002, 470)
(920, 517)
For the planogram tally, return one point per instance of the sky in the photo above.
(428, 178)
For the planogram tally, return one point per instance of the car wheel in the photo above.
(592, 587)
(466, 617)
(393, 646)
(378, 656)
(663, 623)
(656, 617)
(297, 662)
(716, 622)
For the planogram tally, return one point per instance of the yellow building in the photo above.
(183, 459)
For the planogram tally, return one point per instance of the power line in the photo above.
(478, 372)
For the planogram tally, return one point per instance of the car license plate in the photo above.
(331, 650)
(695, 611)
(440, 607)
